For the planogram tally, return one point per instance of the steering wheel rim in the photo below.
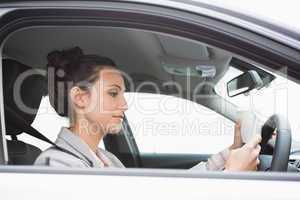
(282, 148)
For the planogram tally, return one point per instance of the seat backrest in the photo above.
(21, 153)
(23, 90)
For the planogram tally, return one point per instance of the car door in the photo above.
(178, 19)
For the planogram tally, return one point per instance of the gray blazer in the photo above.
(72, 152)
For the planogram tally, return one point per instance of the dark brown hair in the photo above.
(68, 68)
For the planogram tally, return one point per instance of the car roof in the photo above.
(264, 21)
(246, 16)
(281, 13)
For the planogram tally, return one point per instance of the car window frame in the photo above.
(3, 144)
(154, 17)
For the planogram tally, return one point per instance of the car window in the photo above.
(47, 122)
(168, 124)
(160, 124)
(280, 96)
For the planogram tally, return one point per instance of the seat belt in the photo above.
(35, 133)
(23, 125)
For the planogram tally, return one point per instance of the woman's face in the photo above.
(106, 103)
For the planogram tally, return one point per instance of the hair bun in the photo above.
(61, 59)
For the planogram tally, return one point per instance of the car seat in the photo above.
(23, 89)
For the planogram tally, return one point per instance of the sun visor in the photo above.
(186, 67)
(183, 48)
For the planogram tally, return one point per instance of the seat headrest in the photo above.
(23, 88)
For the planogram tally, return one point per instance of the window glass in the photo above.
(47, 122)
(167, 124)
(280, 96)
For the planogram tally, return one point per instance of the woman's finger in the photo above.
(255, 140)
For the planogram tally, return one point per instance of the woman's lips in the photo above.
(119, 117)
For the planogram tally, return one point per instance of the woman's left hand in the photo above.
(237, 143)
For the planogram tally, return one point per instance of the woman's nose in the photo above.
(124, 105)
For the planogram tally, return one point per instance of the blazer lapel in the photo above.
(74, 144)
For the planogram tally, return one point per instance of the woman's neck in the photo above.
(88, 133)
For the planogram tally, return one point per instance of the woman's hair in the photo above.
(69, 68)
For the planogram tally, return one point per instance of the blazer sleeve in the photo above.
(214, 163)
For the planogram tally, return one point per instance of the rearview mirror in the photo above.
(244, 83)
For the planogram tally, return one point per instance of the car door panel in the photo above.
(171, 161)
(143, 184)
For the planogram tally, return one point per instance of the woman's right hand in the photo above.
(246, 157)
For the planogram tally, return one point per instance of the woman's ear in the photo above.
(79, 97)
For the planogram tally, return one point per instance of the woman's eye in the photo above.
(113, 94)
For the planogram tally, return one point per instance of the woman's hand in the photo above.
(237, 142)
(244, 158)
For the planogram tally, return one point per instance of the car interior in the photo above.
(146, 56)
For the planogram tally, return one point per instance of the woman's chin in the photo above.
(115, 129)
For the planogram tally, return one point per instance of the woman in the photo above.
(89, 90)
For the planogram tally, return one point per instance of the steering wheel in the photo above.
(281, 150)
